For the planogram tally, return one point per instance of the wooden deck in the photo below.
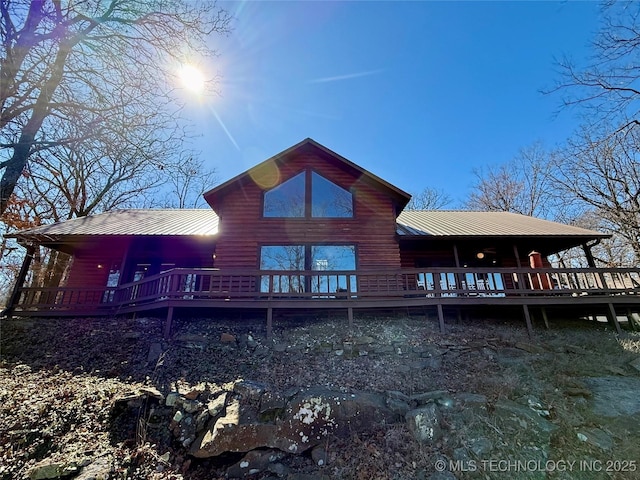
(609, 292)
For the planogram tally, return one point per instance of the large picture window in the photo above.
(295, 258)
(308, 194)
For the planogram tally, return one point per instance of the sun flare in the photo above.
(192, 78)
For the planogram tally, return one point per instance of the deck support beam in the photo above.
(633, 323)
(350, 316)
(527, 319)
(613, 318)
(168, 323)
(269, 323)
(545, 318)
(441, 318)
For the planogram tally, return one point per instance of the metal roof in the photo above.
(419, 223)
(168, 222)
(447, 223)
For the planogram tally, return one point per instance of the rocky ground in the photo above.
(391, 398)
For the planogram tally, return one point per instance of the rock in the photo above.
(99, 469)
(251, 342)
(597, 438)
(195, 392)
(271, 404)
(155, 352)
(428, 397)
(635, 364)
(516, 418)
(152, 392)
(227, 338)
(45, 470)
(425, 423)
(398, 403)
(279, 469)
(254, 462)
(249, 390)
(216, 405)
(481, 447)
(201, 420)
(172, 399)
(191, 406)
(319, 455)
(614, 396)
(307, 419)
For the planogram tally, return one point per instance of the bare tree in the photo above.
(429, 199)
(607, 86)
(602, 173)
(523, 185)
(187, 180)
(87, 61)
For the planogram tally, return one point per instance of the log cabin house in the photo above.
(309, 229)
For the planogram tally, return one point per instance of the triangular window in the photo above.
(287, 199)
(329, 199)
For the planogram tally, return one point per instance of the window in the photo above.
(287, 199)
(321, 258)
(329, 199)
(306, 195)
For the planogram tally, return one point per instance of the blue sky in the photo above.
(418, 93)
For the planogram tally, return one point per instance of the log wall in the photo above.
(244, 230)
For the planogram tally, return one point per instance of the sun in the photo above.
(192, 78)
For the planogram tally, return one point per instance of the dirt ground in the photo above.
(62, 383)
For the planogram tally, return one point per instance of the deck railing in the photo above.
(198, 285)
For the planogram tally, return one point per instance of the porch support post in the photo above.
(441, 318)
(456, 256)
(527, 319)
(269, 323)
(517, 255)
(22, 275)
(587, 253)
(350, 316)
(613, 318)
(167, 323)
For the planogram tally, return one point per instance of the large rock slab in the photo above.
(307, 418)
(614, 396)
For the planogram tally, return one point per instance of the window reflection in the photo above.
(325, 258)
(287, 199)
(329, 199)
